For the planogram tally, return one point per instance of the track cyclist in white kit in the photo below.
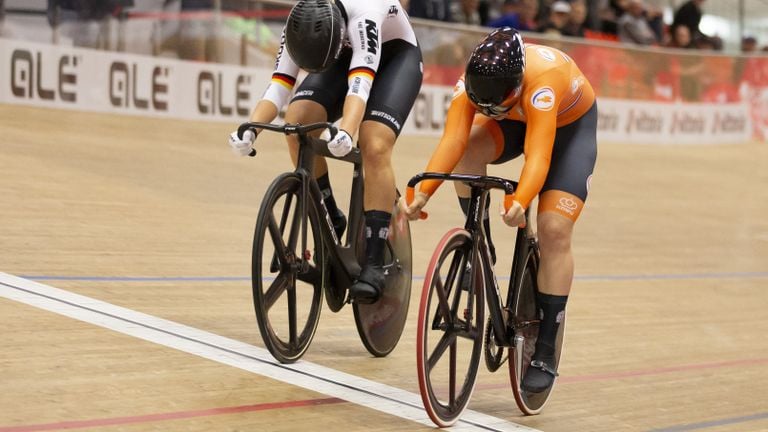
(364, 66)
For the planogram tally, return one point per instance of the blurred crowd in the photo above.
(629, 21)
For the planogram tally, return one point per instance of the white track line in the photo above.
(374, 395)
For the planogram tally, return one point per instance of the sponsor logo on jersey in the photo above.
(576, 84)
(369, 59)
(372, 36)
(392, 11)
(388, 117)
(304, 93)
(356, 84)
(280, 50)
(543, 99)
(546, 54)
(567, 205)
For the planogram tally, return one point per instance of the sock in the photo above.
(325, 188)
(376, 232)
(464, 203)
(551, 312)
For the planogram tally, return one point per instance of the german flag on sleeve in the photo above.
(284, 80)
(364, 72)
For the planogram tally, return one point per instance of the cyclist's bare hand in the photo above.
(413, 211)
(515, 217)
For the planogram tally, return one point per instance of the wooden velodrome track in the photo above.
(152, 219)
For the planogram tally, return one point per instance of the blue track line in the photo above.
(714, 423)
(588, 278)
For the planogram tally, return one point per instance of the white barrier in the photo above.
(88, 80)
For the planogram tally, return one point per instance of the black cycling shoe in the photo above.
(369, 286)
(339, 222)
(540, 375)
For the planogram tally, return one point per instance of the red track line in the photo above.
(638, 373)
(169, 416)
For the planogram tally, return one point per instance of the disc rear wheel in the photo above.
(526, 326)
(381, 324)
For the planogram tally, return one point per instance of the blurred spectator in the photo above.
(680, 37)
(519, 14)
(655, 18)
(85, 22)
(197, 31)
(704, 42)
(466, 12)
(748, 45)
(576, 21)
(559, 12)
(608, 12)
(633, 27)
(439, 10)
(2, 18)
(510, 15)
(689, 15)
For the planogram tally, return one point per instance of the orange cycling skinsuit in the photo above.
(553, 124)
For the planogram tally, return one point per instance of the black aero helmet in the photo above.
(314, 34)
(494, 72)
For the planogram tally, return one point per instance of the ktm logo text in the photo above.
(372, 36)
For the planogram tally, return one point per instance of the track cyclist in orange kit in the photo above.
(513, 99)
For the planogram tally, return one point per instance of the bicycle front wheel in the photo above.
(449, 338)
(287, 268)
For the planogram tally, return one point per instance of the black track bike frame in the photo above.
(501, 319)
(343, 254)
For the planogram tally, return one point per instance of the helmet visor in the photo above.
(494, 96)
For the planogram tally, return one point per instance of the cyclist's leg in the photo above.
(394, 91)
(560, 203)
(320, 97)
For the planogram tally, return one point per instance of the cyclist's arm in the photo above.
(280, 86)
(364, 33)
(454, 141)
(541, 114)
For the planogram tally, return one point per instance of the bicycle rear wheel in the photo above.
(287, 269)
(449, 337)
(381, 324)
(526, 325)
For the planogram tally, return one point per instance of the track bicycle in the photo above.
(452, 333)
(298, 257)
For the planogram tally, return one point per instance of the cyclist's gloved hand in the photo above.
(515, 217)
(242, 146)
(341, 144)
(413, 211)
